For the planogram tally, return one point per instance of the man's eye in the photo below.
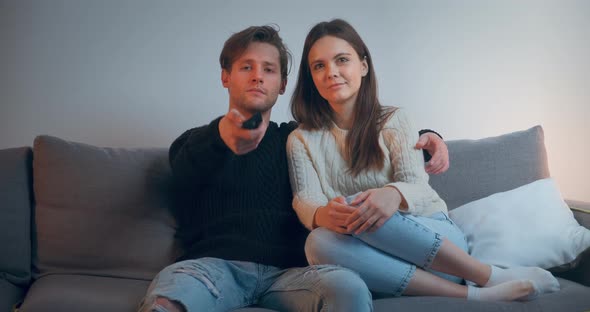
(269, 70)
(247, 67)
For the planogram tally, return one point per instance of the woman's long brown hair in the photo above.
(362, 151)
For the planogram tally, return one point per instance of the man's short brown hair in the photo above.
(239, 42)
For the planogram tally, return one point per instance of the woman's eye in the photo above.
(342, 60)
(318, 66)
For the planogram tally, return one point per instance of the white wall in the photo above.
(138, 73)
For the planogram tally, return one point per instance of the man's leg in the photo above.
(318, 288)
(206, 284)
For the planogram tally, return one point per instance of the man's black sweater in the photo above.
(236, 207)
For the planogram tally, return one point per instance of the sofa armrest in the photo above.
(581, 273)
(582, 208)
(16, 200)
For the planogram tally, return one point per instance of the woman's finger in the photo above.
(339, 229)
(368, 224)
(378, 224)
(360, 198)
(357, 213)
(361, 219)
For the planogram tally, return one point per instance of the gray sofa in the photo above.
(86, 228)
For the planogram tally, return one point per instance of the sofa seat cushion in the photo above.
(9, 295)
(571, 297)
(102, 211)
(91, 293)
(84, 293)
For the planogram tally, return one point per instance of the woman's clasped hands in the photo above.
(368, 211)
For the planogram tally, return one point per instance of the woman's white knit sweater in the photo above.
(319, 173)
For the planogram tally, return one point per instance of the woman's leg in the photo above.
(429, 242)
(381, 272)
(436, 244)
(452, 258)
(427, 284)
(388, 274)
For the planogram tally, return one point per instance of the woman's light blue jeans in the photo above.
(387, 258)
(211, 284)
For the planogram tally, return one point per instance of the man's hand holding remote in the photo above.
(236, 137)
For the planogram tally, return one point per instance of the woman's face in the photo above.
(337, 70)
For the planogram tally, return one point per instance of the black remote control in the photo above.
(253, 122)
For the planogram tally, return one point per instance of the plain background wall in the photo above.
(138, 73)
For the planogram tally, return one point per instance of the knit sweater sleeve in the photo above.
(407, 162)
(198, 154)
(305, 183)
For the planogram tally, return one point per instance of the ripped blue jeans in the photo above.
(387, 258)
(211, 284)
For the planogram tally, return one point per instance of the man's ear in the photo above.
(283, 86)
(225, 78)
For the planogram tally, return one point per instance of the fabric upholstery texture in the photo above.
(101, 211)
(9, 295)
(15, 211)
(84, 293)
(480, 168)
(571, 298)
(102, 228)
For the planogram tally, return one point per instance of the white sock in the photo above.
(509, 291)
(543, 281)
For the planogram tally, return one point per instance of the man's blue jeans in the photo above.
(211, 284)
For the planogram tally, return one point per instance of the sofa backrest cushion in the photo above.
(101, 211)
(15, 215)
(480, 168)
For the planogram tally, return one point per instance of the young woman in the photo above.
(395, 230)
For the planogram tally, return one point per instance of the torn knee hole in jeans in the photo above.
(152, 305)
(202, 277)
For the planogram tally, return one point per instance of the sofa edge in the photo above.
(581, 273)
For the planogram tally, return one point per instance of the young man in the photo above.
(243, 242)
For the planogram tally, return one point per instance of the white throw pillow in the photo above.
(527, 226)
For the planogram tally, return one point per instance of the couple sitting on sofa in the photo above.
(237, 187)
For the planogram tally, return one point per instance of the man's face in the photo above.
(254, 82)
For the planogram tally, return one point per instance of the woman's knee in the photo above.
(321, 246)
